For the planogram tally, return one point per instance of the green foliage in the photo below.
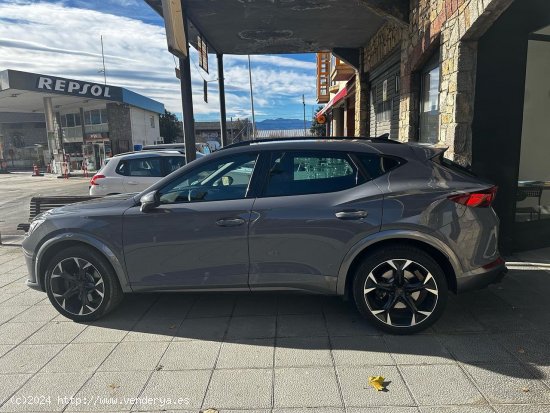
(170, 127)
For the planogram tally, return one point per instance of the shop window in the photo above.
(429, 101)
(533, 193)
(152, 122)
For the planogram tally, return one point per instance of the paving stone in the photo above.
(100, 334)
(476, 348)
(56, 332)
(134, 356)
(240, 389)
(108, 391)
(505, 320)
(27, 297)
(190, 355)
(349, 325)
(417, 349)
(203, 329)
(82, 357)
(246, 353)
(9, 312)
(303, 351)
(457, 321)
(170, 306)
(507, 383)
(393, 409)
(185, 388)
(256, 304)
(9, 383)
(212, 305)
(15, 333)
(28, 358)
(36, 313)
(530, 347)
(522, 408)
(357, 392)
(4, 348)
(456, 409)
(301, 325)
(306, 387)
(299, 304)
(360, 351)
(441, 384)
(154, 330)
(309, 410)
(51, 390)
(336, 305)
(251, 327)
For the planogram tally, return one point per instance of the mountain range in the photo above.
(282, 124)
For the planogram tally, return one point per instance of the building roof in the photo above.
(24, 92)
(281, 133)
(213, 125)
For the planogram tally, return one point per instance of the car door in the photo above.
(141, 173)
(197, 237)
(315, 205)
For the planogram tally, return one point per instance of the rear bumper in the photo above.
(481, 280)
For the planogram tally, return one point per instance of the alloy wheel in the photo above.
(401, 292)
(77, 286)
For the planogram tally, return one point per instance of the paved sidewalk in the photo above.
(276, 352)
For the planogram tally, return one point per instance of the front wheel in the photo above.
(402, 290)
(81, 284)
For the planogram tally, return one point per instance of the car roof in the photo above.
(147, 154)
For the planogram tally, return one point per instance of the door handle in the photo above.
(132, 183)
(230, 222)
(351, 214)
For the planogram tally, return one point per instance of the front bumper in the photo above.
(481, 280)
(31, 282)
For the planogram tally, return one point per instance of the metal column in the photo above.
(221, 87)
(187, 103)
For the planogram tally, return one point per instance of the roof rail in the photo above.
(379, 139)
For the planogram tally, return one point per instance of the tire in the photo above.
(81, 284)
(401, 289)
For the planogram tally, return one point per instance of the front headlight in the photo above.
(35, 223)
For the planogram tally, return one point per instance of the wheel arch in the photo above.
(444, 256)
(59, 242)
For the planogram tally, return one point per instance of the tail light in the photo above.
(95, 178)
(479, 199)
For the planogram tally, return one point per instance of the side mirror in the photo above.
(149, 201)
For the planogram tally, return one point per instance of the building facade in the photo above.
(472, 76)
(51, 120)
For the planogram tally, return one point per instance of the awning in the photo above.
(286, 26)
(337, 98)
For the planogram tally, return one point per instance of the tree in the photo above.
(318, 129)
(170, 127)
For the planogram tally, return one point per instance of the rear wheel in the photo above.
(81, 284)
(402, 290)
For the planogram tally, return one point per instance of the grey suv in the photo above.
(393, 226)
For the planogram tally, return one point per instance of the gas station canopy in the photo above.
(286, 26)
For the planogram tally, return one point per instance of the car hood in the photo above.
(111, 201)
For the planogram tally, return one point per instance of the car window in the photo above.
(376, 165)
(222, 179)
(172, 163)
(122, 168)
(146, 167)
(300, 173)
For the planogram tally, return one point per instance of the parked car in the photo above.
(134, 171)
(396, 227)
(202, 148)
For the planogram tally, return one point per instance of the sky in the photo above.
(62, 38)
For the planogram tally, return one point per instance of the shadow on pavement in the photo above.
(504, 328)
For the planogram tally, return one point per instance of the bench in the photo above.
(41, 204)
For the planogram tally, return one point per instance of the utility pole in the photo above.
(304, 103)
(103, 60)
(251, 100)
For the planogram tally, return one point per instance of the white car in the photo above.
(134, 172)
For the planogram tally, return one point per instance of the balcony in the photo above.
(341, 71)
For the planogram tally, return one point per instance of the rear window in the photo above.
(378, 165)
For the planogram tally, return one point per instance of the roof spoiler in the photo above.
(427, 152)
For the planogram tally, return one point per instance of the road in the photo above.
(16, 190)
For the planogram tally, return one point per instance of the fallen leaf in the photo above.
(377, 382)
(210, 410)
(172, 327)
(521, 350)
(159, 367)
(525, 389)
(113, 386)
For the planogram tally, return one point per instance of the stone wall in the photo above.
(452, 28)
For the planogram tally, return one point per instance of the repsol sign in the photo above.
(73, 87)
